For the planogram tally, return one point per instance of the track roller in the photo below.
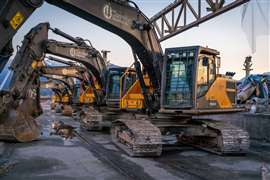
(215, 136)
(137, 137)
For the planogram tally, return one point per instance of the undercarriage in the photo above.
(145, 137)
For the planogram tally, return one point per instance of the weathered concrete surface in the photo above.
(257, 125)
(53, 158)
(98, 158)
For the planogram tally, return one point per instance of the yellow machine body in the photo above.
(55, 99)
(87, 96)
(221, 94)
(208, 90)
(65, 99)
(133, 98)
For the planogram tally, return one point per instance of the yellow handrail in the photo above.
(121, 78)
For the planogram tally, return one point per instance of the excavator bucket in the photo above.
(67, 110)
(19, 125)
(53, 105)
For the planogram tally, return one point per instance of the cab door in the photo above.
(179, 78)
(206, 75)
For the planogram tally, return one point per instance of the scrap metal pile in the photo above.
(253, 92)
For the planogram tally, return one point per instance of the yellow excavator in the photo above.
(82, 93)
(56, 88)
(27, 66)
(62, 87)
(193, 83)
(174, 89)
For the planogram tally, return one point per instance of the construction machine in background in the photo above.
(60, 85)
(60, 91)
(97, 117)
(27, 66)
(170, 95)
(64, 99)
(82, 92)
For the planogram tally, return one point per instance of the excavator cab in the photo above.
(121, 82)
(87, 96)
(76, 94)
(191, 83)
(113, 86)
(131, 97)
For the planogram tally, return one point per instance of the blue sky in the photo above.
(223, 33)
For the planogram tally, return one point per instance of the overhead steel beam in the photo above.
(168, 23)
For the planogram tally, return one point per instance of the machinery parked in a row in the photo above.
(167, 90)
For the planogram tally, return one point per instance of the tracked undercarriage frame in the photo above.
(143, 137)
(213, 136)
(96, 119)
(137, 137)
(92, 120)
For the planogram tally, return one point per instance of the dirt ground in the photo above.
(52, 157)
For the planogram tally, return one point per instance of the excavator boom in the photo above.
(21, 103)
(117, 16)
(122, 17)
(67, 71)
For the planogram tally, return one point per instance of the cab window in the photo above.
(206, 74)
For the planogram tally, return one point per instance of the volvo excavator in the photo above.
(28, 66)
(82, 93)
(61, 92)
(171, 96)
(64, 93)
(66, 98)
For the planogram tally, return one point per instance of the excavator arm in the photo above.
(20, 104)
(49, 85)
(67, 71)
(121, 17)
(12, 16)
(67, 82)
(77, 72)
(22, 98)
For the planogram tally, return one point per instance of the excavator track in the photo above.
(225, 138)
(137, 137)
(92, 120)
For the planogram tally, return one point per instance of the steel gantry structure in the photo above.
(182, 15)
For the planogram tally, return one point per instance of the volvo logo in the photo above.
(65, 71)
(72, 52)
(107, 11)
